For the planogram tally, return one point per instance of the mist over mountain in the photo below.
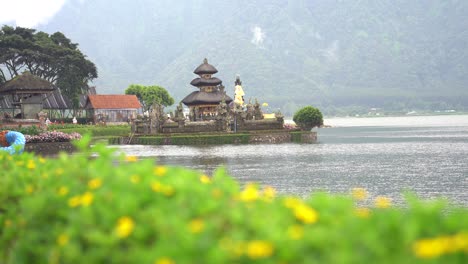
(329, 53)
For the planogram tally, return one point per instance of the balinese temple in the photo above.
(211, 92)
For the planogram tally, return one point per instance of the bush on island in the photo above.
(308, 117)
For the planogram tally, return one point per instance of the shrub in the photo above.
(25, 130)
(117, 130)
(99, 207)
(308, 117)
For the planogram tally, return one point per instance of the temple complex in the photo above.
(203, 103)
(210, 110)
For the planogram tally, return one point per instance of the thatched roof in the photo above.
(205, 68)
(205, 82)
(54, 100)
(199, 98)
(27, 83)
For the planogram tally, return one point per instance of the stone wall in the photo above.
(142, 127)
(259, 137)
(49, 148)
(264, 124)
(270, 138)
(191, 127)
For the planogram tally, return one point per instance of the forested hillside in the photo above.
(395, 54)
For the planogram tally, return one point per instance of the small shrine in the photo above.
(203, 103)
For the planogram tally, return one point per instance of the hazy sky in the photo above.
(28, 13)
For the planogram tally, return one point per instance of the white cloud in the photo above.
(29, 13)
(258, 36)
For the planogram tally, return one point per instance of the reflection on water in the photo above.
(430, 160)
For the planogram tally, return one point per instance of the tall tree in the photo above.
(150, 94)
(52, 57)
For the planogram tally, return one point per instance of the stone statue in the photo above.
(258, 114)
(179, 113)
(249, 112)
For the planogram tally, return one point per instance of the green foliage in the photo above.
(147, 95)
(308, 117)
(51, 57)
(366, 53)
(118, 130)
(99, 207)
(25, 130)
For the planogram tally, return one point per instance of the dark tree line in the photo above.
(52, 57)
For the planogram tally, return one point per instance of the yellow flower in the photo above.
(7, 223)
(259, 249)
(269, 192)
(20, 163)
(29, 189)
(362, 212)
(382, 202)
(428, 248)
(131, 158)
(156, 186)
(45, 175)
(94, 183)
(87, 198)
(160, 170)
(250, 193)
(164, 260)
(196, 226)
(74, 201)
(135, 179)
(205, 179)
(42, 160)
(434, 247)
(295, 232)
(359, 193)
(62, 191)
(31, 164)
(62, 240)
(460, 242)
(125, 226)
(291, 202)
(305, 214)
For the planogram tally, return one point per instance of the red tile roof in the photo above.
(114, 101)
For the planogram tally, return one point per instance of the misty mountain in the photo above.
(330, 53)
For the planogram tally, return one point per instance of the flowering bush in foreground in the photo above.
(119, 209)
(52, 136)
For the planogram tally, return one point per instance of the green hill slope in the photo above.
(394, 54)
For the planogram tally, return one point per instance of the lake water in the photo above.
(427, 155)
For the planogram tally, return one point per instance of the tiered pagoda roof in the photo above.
(211, 91)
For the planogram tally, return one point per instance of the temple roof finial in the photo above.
(205, 61)
(238, 81)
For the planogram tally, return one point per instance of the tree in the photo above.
(52, 57)
(308, 117)
(147, 95)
